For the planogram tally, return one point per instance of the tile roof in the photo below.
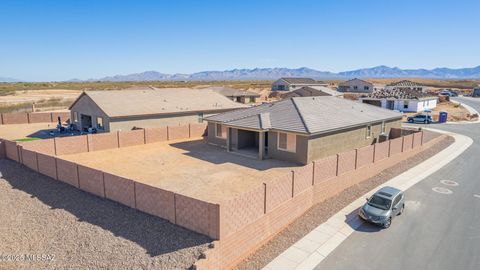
(307, 115)
(398, 93)
(405, 83)
(232, 92)
(306, 91)
(123, 103)
(347, 83)
(293, 80)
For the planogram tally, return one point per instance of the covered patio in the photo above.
(246, 142)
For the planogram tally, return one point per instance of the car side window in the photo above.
(397, 199)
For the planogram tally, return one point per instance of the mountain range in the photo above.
(275, 73)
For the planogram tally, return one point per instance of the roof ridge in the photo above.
(245, 116)
(300, 115)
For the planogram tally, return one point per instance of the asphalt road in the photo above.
(437, 231)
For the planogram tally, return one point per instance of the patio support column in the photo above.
(261, 145)
(228, 139)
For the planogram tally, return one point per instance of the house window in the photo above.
(100, 123)
(220, 131)
(75, 116)
(200, 117)
(287, 142)
(405, 104)
(383, 127)
(281, 87)
(369, 132)
(252, 99)
(366, 88)
(355, 87)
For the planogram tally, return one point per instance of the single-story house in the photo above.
(300, 129)
(356, 86)
(108, 111)
(476, 92)
(406, 85)
(404, 100)
(308, 91)
(237, 95)
(291, 84)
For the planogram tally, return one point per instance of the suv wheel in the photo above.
(410, 120)
(387, 223)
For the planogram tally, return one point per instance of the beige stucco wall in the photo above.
(152, 122)
(332, 143)
(86, 106)
(299, 156)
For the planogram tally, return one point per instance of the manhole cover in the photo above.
(442, 190)
(449, 183)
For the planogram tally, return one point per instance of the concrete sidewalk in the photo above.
(309, 251)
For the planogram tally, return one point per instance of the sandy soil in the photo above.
(192, 168)
(21, 131)
(41, 216)
(36, 95)
(322, 211)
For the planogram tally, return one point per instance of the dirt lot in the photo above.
(455, 113)
(41, 216)
(37, 95)
(21, 131)
(192, 168)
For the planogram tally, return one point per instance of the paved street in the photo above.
(437, 230)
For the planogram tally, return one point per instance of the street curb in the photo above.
(471, 110)
(310, 251)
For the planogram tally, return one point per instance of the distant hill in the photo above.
(275, 73)
(8, 80)
(437, 73)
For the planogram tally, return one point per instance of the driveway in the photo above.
(439, 229)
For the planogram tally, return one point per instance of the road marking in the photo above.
(449, 183)
(476, 195)
(442, 190)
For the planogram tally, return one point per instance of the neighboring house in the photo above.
(404, 100)
(301, 129)
(237, 95)
(476, 92)
(356, 86)
(291, 84)
(308, 91)
(406, 85)
(125, 109)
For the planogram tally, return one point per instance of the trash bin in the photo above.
(442, 117)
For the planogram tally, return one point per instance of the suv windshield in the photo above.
(379, 202)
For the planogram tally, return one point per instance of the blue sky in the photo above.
(60, 40)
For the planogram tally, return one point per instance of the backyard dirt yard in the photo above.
(22, 131)
(192, 168)
(44, 217)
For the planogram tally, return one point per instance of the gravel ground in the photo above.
(322, 211)
(40, 216)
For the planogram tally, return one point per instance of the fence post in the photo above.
(421, 140)
(389, 147)
(293, 183)
(338, 158)
(374, 151)
(356, 158)
(264, 198)
(313, 173)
